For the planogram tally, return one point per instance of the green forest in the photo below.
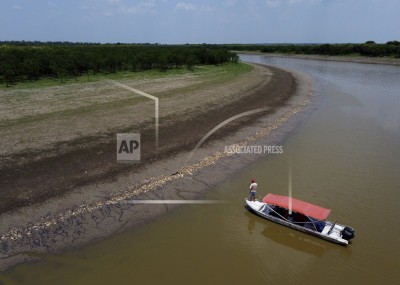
(31, 61)
(369, 48)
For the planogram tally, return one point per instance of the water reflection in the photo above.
(286, 237)
(295, 240)
(251, 225)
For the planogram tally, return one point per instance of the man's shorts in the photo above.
(253, 193)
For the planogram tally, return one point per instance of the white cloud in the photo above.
(113, 1)
(273, 3)
(149, 4)
(303, 1)
(118, 7)
(277, 3)
(231, 2)
(17, 7)
(185, 6)
(109, 13)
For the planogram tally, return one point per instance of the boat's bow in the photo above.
(254, 205)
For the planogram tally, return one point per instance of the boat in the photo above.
(301, 216)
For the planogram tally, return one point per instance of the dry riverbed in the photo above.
(68, 189)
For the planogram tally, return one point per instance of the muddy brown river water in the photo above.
(344, 156)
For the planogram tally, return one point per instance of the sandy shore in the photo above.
(66, 136)
(342, 58)
(100, 208)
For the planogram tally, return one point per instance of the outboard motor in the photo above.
(348, 233)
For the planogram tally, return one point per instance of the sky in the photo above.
(195, 21)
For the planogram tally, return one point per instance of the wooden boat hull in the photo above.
(328, 233)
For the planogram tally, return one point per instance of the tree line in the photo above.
(21, 61)
(369, 48)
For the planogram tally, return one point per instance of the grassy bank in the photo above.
(228, 70)
(36, 116)
(46, 99)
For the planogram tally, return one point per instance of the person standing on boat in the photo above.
(253, 190)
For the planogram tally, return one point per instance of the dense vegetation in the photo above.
(31, 61)
(26, 61)
(370, 48)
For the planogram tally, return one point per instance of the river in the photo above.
(344, 156)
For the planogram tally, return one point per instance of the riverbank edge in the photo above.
(212, 167)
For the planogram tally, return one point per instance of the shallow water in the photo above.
(344, 156)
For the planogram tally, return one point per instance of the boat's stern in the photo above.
(334, 232)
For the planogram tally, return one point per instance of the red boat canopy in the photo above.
(298, 206)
